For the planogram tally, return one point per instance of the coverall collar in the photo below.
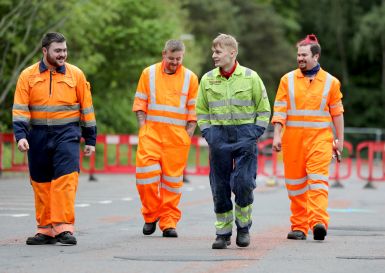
(319, 76)
(43, 67)
(238, 71)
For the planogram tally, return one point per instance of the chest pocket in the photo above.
(243, 92)
(65, 91)
(215, 93)
(39, 90)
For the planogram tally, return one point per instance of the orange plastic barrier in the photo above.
(345, 164)
(374, 169)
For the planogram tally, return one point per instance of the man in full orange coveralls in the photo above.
(165, 108)
(307, 103)
(52, 110)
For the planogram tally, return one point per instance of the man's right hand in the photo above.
(23, 145)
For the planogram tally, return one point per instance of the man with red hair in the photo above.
(308, 101)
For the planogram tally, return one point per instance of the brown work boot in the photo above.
(296, 235)
(319, 232)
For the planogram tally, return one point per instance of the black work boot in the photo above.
(66, 238)
(319, 232)
(149, 228)
(221, 242)
(41, 239)
(170, 232)
(243, 238)
(296, 235)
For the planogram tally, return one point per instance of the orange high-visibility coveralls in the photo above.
(169, 102)
(306, 108)
(54, 104)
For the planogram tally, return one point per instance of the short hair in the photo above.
(52, 37)
(174, 46)
(311, 40)
(225, 40)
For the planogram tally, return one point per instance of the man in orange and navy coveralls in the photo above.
(52, 110)
(307, 103)
(165, 108)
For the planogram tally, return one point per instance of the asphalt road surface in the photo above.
(110, 239)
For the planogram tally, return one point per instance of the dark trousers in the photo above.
(233, 164)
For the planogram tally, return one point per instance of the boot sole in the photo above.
(49, 242)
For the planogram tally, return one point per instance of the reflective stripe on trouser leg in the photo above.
(63, 194)
(317, 169)
(147, 174)
(171, 185)
(296, 179)
(224, 223)
(42, 207)
(243, 217)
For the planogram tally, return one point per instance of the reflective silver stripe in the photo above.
(248, 72)
(170, 189)
(314, 176)
(264, 114)
(145, 181)
(191, 102)
(326, 90)
(20, 118)
(152, 83)
(280, 103)
(296, 181)
(210, 74)
(23, 107)
(168, 108)
(233, 116)
(280, 114)
(172, 179)
(226, 230)
(308, 124)
(88, 123)
(234, 102)
(191, 112)
(262, 123)
(186, 82)
(318, 187)
(87, 110)
(225, 218)
(173, 121)
(298, 192)
(204, 126)
(203, 117)
(339, 104)
(62, 121)
(290, 78)
(308, 113)
(141, 95)
(58, 108)
(147, 169)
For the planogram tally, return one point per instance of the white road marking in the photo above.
(127, 199)
(15, 215)
(82, 205)
(105, 202)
